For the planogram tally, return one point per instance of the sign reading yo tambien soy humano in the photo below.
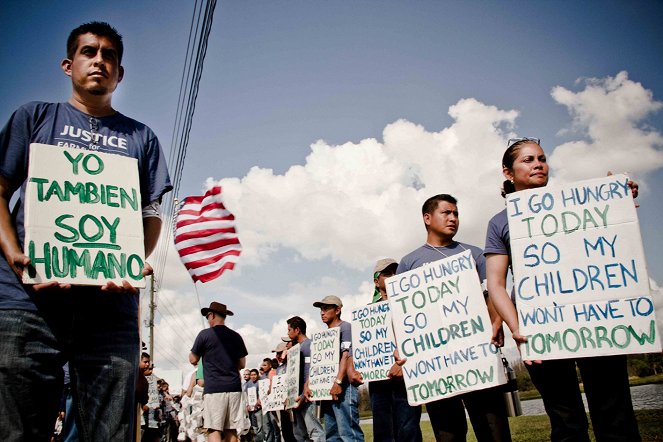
(373, 342)
(83, 220)
(580, 277)
(325, 358)
(443, 329)
(292, 376)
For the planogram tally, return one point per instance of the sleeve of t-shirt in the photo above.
(155, 181)
(240, 347)
(346, 337)
(480, 260)
(404, 265)
(198, 345)
(14, 142)
(306, 357)
(494, 240)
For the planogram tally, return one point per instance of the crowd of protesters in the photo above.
(47, 324)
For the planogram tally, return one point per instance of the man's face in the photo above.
(380, 280)
(293, 333)
(253, 376)
(329, 313)
(247, 375)
(444, 220)
(144, 363)
(95, 68)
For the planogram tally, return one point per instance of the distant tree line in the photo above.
(638, 366)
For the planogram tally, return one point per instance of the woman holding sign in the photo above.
(605, 378)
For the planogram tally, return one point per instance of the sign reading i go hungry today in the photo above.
(580, 278)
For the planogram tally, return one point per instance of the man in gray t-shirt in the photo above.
(307, 426)
(341, 413)
(486, 408)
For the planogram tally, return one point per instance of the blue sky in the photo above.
(426, 92)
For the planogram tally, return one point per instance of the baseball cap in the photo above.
(383, 264)
(329, 300)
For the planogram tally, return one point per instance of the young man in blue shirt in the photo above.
(44, 325)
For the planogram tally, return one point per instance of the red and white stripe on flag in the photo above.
(205, 236)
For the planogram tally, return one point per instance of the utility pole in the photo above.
(151, 323)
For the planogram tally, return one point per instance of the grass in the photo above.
(537, 428)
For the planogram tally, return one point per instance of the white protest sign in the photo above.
(252, 397)
(83, 217)
(275, 399)
(292, 376)
(263, 388)
(325, 358)
(152, 391)
(373, 342)
(580, 277)
(443, 329)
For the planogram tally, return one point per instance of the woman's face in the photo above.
(530, 169)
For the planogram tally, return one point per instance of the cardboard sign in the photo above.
(275, 400)
(263, 388)
(442, 326)
(292, 377)
(325, 358)
(580, 277)
(373, 342)
(83, 217)
(252, 397)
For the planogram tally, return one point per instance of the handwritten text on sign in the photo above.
(373, 342)
(83, 221)
(276, 397)
(292, 376)
(580, 277)
(442, 326)
(252, 397)
(325, 358)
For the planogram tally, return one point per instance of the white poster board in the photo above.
(373, 342)
(325, 358)
(443, 329)
(275, 400)
(263, 388)
(83, 217)
(292, 376)
(580, 277)
(252, 397)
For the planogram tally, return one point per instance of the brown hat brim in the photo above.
(205, 311)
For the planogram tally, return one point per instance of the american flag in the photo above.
(205, 236)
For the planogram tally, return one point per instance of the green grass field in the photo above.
(537, 428)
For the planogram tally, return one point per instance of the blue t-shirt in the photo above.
(346, 337)
(61, 124)
(221, 349)
(425, 254)
(304, 363)
(498, 240)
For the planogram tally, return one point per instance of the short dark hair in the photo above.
(145, 355)
(297, 322)
(99, 28)
(255, 370)
(431, 203)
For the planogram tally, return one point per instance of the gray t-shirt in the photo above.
(425, 254)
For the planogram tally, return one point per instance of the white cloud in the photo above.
(346, 200)
(610, 114)
(354, 203)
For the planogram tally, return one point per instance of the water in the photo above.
(645, 397)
